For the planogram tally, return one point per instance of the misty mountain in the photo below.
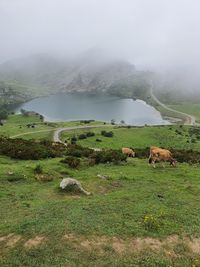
(89, 72)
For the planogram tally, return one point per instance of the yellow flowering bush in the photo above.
(151, 222)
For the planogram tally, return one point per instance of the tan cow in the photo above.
(160, 155)
(128, 151)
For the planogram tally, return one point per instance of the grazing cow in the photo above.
(160, 155)
(128, 151)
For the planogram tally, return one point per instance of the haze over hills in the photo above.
(90, 72)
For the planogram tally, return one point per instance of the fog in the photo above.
(152, 34)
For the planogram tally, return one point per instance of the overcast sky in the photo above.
(146, 32)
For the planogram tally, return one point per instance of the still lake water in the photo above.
(66, 107)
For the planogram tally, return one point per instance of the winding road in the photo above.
(57, 131)
(189, 119)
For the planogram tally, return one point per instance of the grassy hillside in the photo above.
(137, 216)
(16, 126)
(50, 228)
(180, 137)
(190, 108)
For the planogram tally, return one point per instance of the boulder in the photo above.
(73, 185)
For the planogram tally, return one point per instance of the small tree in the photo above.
(112, 121)
(3, 114)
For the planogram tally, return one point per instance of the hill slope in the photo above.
(90, 72)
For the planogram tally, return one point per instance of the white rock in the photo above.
(73, 184)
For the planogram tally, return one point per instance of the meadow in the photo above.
(172, 136)
(190, 108)
(136, 216)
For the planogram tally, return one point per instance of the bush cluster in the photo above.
(72, 162)
(90, 134)
(38, 169)
(82, 136)
(107, 134)
(73, 140)
(96, 157)
(107, 156)
(189, 156)
(86, 121)
(78, 151)
(30, 149)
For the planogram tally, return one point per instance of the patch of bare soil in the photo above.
(119, 246)
(194, 245)
(10, 240)
(134, 245)
(34, 242)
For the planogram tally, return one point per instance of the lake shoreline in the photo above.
(102, 107)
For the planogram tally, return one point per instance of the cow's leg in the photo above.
(163, 164)
(153, 163)
(150, 160)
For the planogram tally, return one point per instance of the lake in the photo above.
(77, 106)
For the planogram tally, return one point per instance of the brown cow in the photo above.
(160, 155)
(128, 151)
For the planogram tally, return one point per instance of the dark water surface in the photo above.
(66, 107)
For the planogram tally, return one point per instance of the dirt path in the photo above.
(57, 131)
(26, 133)
(189, 119)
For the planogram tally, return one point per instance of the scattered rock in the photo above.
(44, 177)
(104, 177)
(73, 185)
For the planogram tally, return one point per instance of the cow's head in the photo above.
(173, 162)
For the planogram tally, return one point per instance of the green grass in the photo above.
(103, 229)
(193, 109)
(16, 125)
(139, 137)
(116, 209)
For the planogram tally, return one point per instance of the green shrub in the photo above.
(107, 156)
(82, 136)
(30, 149)
(16, 178)
(107, 134)
(90, 134)
(72, 162)
(151, 222)
(78, 151)
(103, 132)
(73, 140)
(38, 169)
